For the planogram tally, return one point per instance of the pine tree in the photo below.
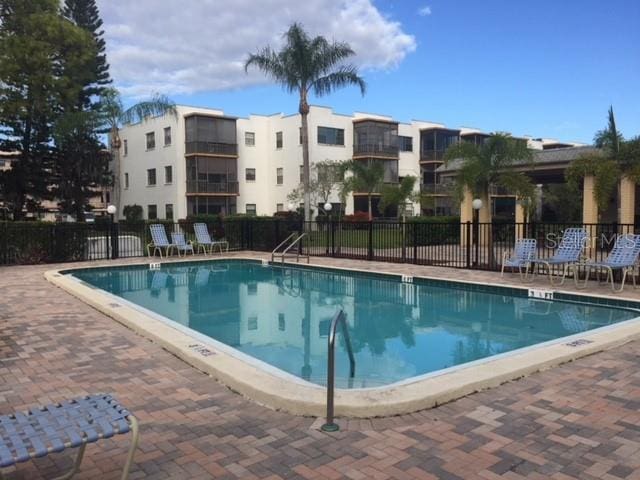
(85, 14)
(38, 48)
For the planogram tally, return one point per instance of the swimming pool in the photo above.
(280, 316)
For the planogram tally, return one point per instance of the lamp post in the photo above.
(476, 205)
(327, 211)
(113, 230)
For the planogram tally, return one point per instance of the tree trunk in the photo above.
(304, 113)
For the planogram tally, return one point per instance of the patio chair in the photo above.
(74, 423)
(159, 240)
(623, 257)
(181, 244)
(203, 239)
(524, 251)
(567, 255)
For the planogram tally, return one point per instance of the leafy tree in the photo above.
(85, 14)
(366, 177)
(326, 180)
(398, 195)
(113, 115)
(133, 213)
(40, 52)
(307, 65)
(482, 166)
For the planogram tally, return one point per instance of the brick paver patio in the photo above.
(577, 421)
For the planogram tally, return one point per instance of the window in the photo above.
(301, 173)
(330, 136)
(167, 136)
(250, 208)
(151, 140)
(278, 139)
(125, 148)
(300, 135)
(168, 174)
(126, 180)
(250, 174)
(151, 177)
(281, 322)
(406, 144)
(152, 212)
(279, 176)
(168, 211)
(108, 197)
(252, 323)
(279, 207)
(249, 139)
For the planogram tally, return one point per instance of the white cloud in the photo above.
(425, 11)
(200, 45)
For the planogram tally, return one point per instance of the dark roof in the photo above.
(562, 156)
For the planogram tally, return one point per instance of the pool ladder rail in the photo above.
(339, 319)
(293, 240)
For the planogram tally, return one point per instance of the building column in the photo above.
(627, 212)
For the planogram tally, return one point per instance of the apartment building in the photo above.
(202, 161)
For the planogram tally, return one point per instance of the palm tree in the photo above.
(307, 65)
(482, 166)
(114, 115)
(398, 195)
(365, 178)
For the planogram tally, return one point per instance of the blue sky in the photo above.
(545, 68)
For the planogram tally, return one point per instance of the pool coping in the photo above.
(282, 391)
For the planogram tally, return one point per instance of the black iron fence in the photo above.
(452, 244)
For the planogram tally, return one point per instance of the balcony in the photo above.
(204, 187)
(432, 155)
(436, 188)
(211, 148)
(376, 150)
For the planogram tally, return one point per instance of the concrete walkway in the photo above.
(577, 421)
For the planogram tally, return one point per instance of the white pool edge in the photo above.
(274, 388)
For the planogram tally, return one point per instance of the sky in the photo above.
(545, 68)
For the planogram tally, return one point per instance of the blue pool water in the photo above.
(281, 315)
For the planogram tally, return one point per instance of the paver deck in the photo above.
(577, 421)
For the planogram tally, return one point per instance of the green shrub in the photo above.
(133, 213)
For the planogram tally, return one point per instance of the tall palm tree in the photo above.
(482, 166)
(365, 178)
(114, 115)
(307, 65)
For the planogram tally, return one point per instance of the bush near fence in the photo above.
(433, 230)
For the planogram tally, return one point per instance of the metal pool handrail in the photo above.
(293, 244)
(340, 318)
(281, 244)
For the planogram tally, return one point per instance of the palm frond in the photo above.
(344, 76)
(158, 105)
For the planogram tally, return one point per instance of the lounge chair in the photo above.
(203, 239)
(567, 255)
(159, 240)
(524, 251)
(177, 238)
(53, 428)
(624, 257)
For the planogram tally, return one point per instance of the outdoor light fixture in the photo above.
(111, 209)
(327, 207)
(476, 204)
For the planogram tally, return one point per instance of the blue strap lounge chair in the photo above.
(623, 256)
(159, 240)
(181, 244)
(70, 424)
(204, 241)
(524, 251)
(566, 256)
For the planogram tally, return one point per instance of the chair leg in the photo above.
(76, 464)
(132, 448)
(576, 277)
(502, 271)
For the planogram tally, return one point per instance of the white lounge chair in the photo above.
(204, 241)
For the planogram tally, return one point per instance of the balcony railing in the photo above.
(436, 188)
(376, 150)
(432, 155)
(230, 188)
(214, 148)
